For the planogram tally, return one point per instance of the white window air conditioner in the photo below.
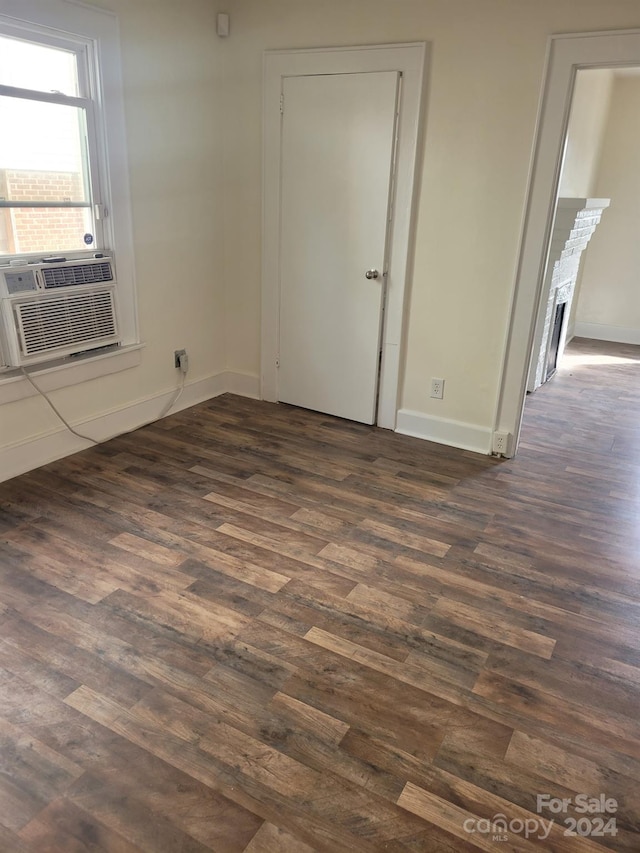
(52, 310)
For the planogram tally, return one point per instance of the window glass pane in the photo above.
(52, 231)
(42, 148)
(39, 67)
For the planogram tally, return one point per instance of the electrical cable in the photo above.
(64, 421)
(175, 399)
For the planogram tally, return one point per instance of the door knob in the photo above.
(372, 274)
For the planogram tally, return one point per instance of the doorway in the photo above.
(333, 300)
(567, 55)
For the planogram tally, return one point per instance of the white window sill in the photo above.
(68, 371)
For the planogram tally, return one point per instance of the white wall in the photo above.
(193, 106)
(609, 300)
(174, 111)
(585, 134)
(484, 87)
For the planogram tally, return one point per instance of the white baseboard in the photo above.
(243, 384)
(443, 431)
(24, 456)
(600, 332)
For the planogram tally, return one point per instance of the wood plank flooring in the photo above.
(255, 629)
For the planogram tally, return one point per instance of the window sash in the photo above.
(35, 34)
(45, 97)
(45, 204)
(93, 153)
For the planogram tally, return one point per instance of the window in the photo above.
(64, 183)
(49, 177)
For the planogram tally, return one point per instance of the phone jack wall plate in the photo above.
(501, 444)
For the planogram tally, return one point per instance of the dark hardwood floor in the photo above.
(255, 628)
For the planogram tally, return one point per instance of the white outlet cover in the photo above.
(437, 388)
(223, 25)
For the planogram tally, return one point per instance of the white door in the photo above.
(337, 152)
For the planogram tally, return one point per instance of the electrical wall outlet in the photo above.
(177, 356)
(501, 443)
(437, 388)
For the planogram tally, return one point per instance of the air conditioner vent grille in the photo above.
(62, 322)
(67, 276)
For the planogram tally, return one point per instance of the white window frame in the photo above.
(86, 99)
(95, 33)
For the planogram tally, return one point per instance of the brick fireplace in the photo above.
(576, 220)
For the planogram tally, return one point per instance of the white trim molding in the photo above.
(600, 332)
(443, 431)
(24, 456)
(567, 54)
(409, 59)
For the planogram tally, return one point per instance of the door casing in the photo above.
(409, 60)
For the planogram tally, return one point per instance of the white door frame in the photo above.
(409, 59)
(566, 55)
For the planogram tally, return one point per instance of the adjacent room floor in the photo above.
(255, 628)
